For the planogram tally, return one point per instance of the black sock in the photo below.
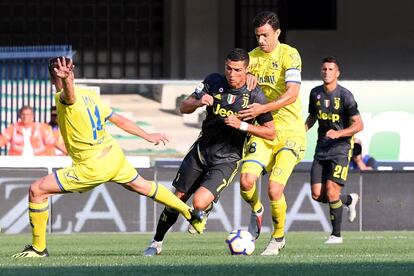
(346, 199)
(167, 219)
(335, 210)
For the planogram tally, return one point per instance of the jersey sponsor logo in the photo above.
(267, 79)
(231, 98)
(337, 103)
(222, 112)
(328, 116)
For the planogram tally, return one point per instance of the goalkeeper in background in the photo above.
(97, 157)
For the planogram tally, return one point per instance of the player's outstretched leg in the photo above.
(335, 210)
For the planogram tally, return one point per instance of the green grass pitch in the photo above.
(363, 253)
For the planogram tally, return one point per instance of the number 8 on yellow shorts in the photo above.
(279, 156)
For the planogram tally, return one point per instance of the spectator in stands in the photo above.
(58, 148)
(362, 162)
(27, 137)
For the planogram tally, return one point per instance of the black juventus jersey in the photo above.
(219, 143)
(333, 111)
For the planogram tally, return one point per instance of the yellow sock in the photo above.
(252, 198)
(161, 194)
(278, 216)
(39, 214)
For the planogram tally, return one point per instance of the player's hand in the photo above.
(64, 70)
(333, 134)
(251, 82)
(157, 138)
(232, 121)
(251, 112)
(206, 99)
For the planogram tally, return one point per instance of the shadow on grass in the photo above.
(210, 270)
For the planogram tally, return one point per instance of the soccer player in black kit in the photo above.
(213, 159)
(338, 117)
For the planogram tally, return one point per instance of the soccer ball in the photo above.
(240, 242)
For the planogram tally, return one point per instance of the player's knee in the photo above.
(35, 192)
(247, 181)
(275, 191)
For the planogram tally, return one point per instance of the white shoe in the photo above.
(334, 240)
(255, 225)
(153, 249)
(274, 247)
(351, 208)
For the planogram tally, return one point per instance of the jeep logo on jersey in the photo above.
(231, 98)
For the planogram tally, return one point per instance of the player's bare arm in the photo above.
(355, 127)
(64, 71)
(190, 104)
(130, 127)
(265, 131)
(310, 121)
(289, 97)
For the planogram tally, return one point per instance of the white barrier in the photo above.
(51, 162)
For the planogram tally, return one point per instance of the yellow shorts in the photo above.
(108, 164)
(279, 156)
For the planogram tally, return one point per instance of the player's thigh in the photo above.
(339, 170)
(288, 153)
(320, 171)
(79, 178)
(219, 177)
(258, 156)
(189, 174)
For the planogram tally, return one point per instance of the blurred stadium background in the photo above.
(144, 56)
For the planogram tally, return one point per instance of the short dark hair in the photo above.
(238, 54)
(266, 17)
(25, 107)
(330, 59)
(53, 63)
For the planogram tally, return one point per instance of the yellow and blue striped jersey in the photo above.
(273, 70)
(82, 124)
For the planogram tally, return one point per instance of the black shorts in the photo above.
(335, 169)
(192, 174)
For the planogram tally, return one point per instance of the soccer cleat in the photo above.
(198, 220)
(334, 240)
(30, 252)
(351, 208)
(153, 249)
(255, 225)
(274, 247)
(191, 229)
